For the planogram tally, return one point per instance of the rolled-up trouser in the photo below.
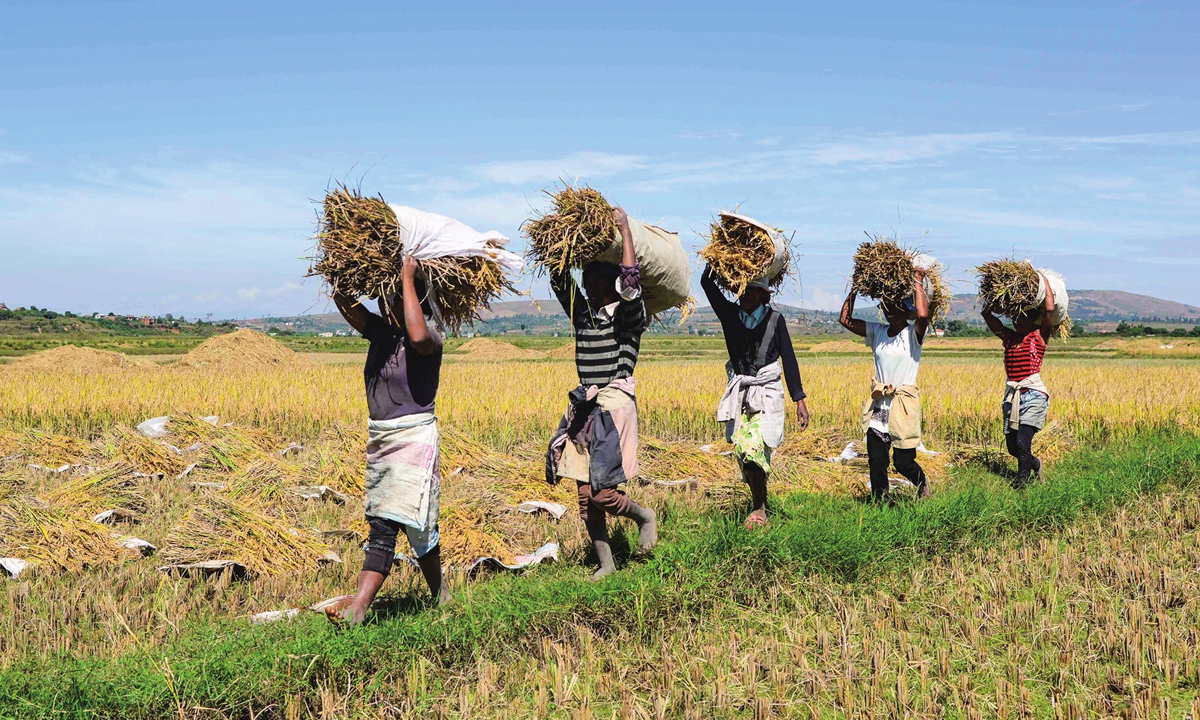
(381, 544)
(596, 504)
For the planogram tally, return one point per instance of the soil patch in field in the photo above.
(487, 349)
(81, 360)
(241, 350)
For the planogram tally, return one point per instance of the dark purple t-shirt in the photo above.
(400, 381)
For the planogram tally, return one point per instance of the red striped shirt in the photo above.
(1023, 356)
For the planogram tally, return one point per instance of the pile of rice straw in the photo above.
(1010, 288)
(242, 349)
(578, 229)
(884, 271)
(359, 253)
(740, 253)
(82, 360)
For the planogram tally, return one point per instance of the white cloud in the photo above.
(249, 293)
(581, 164)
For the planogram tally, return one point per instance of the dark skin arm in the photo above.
(1048, 315)
(998, 328)
(922, 303)
(847, 319)
(415, 327)
(354, 313)
(628, 257)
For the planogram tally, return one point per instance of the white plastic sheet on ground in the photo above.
(554, 510)
(549, 551)
(142, 546)
(116, 515)
(427, 235)
(14, 566)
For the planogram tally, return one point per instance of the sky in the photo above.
(167, 157)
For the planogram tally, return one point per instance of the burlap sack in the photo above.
(666, 277)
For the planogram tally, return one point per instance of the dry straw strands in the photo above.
(240, 350)
(1011, 287)
(579, 227)
(360, 253)
(885, 271)
(82, 360)
(740, 253)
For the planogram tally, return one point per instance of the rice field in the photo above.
(807, 646)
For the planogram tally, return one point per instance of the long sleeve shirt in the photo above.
(743, 343)
(607, 341)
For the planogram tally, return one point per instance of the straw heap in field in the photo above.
(740, 253)
(578, 228)
(486, 349)
(242, 349)
(360, 253)
(81, 360)
(886, 272)
(562, 352)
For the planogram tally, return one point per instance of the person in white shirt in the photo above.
(892, 416)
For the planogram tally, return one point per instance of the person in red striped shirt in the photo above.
(1026, 399)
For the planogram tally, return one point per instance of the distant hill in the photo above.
(1100, 306)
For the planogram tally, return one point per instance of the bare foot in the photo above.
(443, 596)
(757, 519)
(648, 534)
(603, 572)
(345, 611)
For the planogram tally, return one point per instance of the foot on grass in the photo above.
(1041, 477)
(345, 611)
(603, 572)
(757, 519)
(443, 596)
(924, 491)
(648, 533)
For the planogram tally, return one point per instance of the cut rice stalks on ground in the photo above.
(52, 537)
(886, 272)
(359, 253)
(740, 253)
(1010, 287)
(578, 228)
(226, 528)
(104, 489)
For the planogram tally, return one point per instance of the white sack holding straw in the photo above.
(428, 235)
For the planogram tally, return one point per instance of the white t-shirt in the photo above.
(897, 360)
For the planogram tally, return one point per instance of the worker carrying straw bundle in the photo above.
(1031, 300)
(403, 477)
(363, 242)
(760, 356)
(596, 441)
(900, 281)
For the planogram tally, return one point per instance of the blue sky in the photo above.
(164, 157)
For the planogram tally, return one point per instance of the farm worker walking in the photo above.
(596, 442)
(892, 414)
(752, 408)
(1026, 399)
(403, 478)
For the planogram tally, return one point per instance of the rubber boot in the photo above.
(647, 523)
(598, 532)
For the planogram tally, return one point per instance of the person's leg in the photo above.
(427, 546)
(877, 460)
(597, 530)
(615, 502)
(377, 565)
(756, 479)
(905, 461)
(1027, 464)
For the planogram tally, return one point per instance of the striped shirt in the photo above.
(1023, 355)
(607, 341)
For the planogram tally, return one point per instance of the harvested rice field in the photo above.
(171, 566)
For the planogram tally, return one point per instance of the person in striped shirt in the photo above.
(1026, 399)
(596, 443)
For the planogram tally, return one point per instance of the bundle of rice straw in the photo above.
(52, 537)
(885, 271)
(740, 252)
(359, 253)
(1011, 288)
(578, 229)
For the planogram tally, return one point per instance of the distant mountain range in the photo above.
(542, 317)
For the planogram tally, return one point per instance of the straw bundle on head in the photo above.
(885, 271)
(1011, 287)
(578, 229)
(360, 253)
(740, 253)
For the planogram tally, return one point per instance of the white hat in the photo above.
(763, 282)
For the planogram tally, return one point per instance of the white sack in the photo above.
(666, 277)
(428, 235)
(155, 427)
(777, 238)
(1059, 287)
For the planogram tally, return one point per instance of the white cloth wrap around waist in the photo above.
(1012, 394)
(402, 482)
(762, 394)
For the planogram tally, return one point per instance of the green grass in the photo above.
(707, 565)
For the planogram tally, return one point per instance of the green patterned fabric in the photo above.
(748, 443)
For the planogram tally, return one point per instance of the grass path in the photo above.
(706, 565)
